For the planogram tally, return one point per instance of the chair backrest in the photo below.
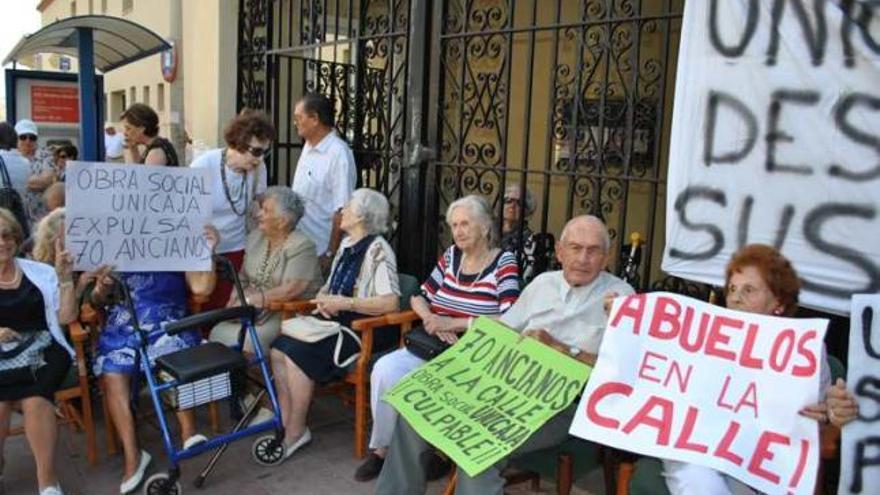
(409, 286)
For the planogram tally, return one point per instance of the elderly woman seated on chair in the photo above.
(759, 280)
(35, 300)
(158, 298)
(472, 278)
(363, 281)
(280, 264)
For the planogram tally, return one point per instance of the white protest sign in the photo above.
(776, 139)
(860, 441)
(681, 379)
(137, 217)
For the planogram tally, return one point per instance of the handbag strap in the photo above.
(7, 182)
(343, 330)
(21, 347)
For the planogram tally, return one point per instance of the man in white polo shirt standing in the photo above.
(325, 174)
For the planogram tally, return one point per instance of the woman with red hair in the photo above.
(759, 279)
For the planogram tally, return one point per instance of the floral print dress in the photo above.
(159, 298)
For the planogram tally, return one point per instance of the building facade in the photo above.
(201, 96)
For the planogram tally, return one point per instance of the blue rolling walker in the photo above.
(202, 374)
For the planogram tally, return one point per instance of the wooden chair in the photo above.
(354, 388)
(75, 387)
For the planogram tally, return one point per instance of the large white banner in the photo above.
(776, 139)
(682, 379)
(137, 218)
(860, 443)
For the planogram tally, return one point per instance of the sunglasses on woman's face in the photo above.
(63, 157)
(258, 152)
(27, 137)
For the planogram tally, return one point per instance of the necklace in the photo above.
(268, 265)
(242, 192)
(479, 275)
(14, 281)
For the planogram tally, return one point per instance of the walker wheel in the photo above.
(160, 484)
(268, 451)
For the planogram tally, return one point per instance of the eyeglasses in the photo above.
(27, 137)
(63, 157)
(511, 201)
(258, 152)
(7, 235)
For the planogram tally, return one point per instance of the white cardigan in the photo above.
(44, 277)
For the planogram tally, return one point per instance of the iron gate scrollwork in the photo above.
(566, 99)
(352, 51)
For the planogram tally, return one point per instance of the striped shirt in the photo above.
(456, 294)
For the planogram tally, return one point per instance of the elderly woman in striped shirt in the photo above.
(472, 278)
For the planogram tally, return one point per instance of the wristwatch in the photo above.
(574, 351)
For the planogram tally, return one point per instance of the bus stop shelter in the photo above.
(99, 43)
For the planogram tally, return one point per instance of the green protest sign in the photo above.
(487, 394)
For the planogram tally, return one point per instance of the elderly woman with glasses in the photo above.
(363, 281)
(280, 264)
(61, 155)
(238, 176)
(42, 168)
(759, 279)
(516, 210)
(35, 300)
(472, 278)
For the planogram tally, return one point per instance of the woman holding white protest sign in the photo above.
(472, 278)
(158, 298)
(238, 176)
(759, 279)
(35, 300)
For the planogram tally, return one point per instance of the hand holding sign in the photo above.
(685, 380)
(842, 405)
(487, 394)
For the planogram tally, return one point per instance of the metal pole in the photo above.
(88, 108)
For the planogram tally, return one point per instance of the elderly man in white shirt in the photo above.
(325, 174)
(564, 310)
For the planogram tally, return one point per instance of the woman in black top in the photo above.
(35, 300)
(140, 125)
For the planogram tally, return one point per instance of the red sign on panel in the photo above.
(56, 104)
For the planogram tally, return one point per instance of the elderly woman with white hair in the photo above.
(280, 264)
(363, 282)
(472, 278)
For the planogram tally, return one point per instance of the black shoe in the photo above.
(370, 468)
(434, 465)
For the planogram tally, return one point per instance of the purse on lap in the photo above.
(311, 329)
(423, 344)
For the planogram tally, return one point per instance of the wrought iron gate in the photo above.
(568, 99)
(353, 51)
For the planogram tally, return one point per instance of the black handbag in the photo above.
(423, 344)
(11, 200)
